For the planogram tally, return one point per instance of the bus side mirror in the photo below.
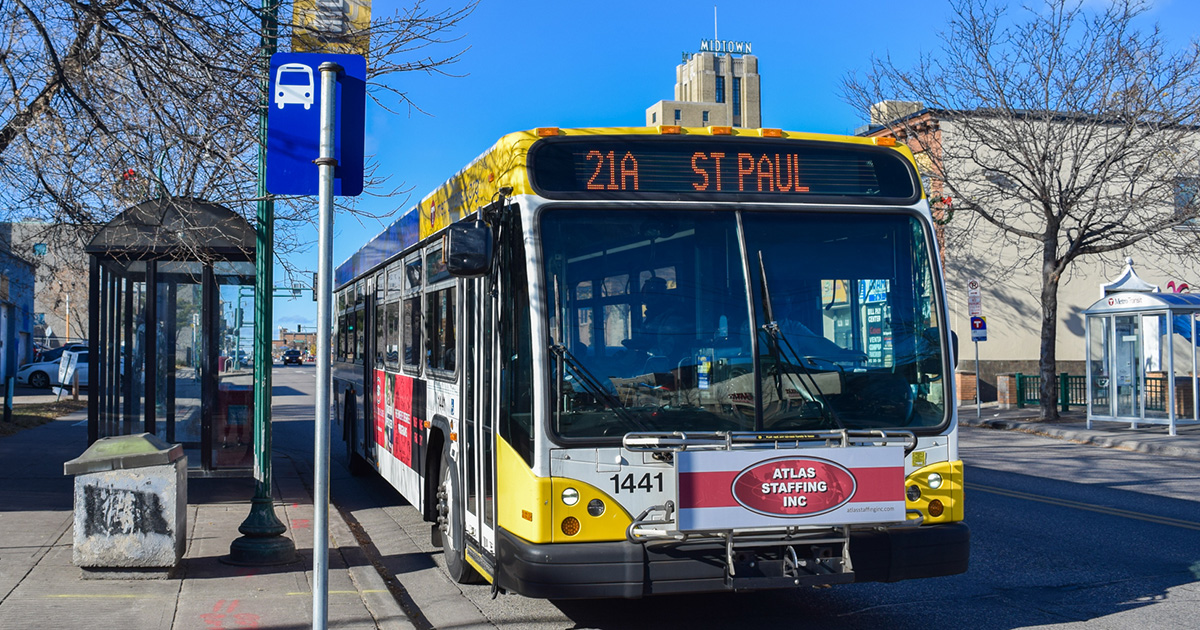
(954, 349)
(469, 249)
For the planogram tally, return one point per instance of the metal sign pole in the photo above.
(326, 163)
(978, 397)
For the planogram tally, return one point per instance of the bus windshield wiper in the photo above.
(592, 385)
(777, 341)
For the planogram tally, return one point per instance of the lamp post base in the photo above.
(262, 542)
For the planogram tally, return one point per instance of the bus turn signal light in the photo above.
(936, 508)
(570, 526)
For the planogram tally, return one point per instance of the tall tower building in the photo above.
(718, 86)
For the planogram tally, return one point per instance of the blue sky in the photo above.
(539, 63)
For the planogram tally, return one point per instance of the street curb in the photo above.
(1092, 438)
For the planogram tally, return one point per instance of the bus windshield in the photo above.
(659, 321)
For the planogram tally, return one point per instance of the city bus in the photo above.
(624, 362)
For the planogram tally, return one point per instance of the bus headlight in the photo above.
(935, 481)
(570, 496)
(595, 507)
(913, 493)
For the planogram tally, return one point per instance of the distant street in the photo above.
(1063, 536)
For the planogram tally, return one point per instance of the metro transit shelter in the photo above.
(172, 298)
(1135, 341)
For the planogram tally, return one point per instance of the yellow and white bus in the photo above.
(631, 361)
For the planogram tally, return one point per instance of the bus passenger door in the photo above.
(479, 411)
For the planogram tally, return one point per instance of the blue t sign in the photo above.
(294, 123)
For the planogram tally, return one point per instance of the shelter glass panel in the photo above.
(232, 438)
(1127, 365)
(1099, 360)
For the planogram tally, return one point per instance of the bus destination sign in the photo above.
(656, 167)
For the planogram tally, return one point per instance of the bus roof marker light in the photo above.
(544, 132)
(771, 133)
(721, 131)
(669, 130)
(884, 141)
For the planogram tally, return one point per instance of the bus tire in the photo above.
(450, 525)
(355, 463)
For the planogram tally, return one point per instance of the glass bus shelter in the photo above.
(1142, 359)
(171, 330)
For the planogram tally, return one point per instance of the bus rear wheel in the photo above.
(450, 526)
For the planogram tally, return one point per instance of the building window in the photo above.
(720, 89)
(737, 96)
(678, 115)
(704, 116)
(653, 118)
(1187, 200)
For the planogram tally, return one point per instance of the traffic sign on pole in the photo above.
(294, 123)
(979, 328)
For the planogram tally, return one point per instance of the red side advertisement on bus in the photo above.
(380, 420)
(404, 419)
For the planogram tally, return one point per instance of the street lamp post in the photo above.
(262, 541)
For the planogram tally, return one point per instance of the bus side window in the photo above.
(380, 340)
(412, 331)
(391, 317)
(439, 329)
(340, 339)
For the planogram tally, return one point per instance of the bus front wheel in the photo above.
(450, 525)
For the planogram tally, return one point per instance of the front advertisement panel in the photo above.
(792, 487)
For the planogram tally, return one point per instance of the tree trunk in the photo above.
(1048, 391)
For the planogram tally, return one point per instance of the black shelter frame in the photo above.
(144, 263)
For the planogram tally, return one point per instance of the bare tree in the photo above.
(1068, 130)
(105, 103)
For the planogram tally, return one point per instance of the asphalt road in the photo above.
(1063, 536)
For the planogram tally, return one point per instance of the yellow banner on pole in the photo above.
(332, 26)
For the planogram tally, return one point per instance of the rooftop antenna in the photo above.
(715, 23)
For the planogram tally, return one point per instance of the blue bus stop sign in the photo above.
(294, 123)
(978, 329)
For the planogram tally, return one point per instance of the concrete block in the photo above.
(131, 518)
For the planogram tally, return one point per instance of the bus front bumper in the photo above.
(626, 570)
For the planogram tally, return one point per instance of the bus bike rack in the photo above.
(653, 527)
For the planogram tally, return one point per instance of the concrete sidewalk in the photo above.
(41, 588)
(1072, 427)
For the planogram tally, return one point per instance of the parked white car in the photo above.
(45, 373)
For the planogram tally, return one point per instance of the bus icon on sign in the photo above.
(294, 85)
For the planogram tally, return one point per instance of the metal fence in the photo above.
(1072, 390)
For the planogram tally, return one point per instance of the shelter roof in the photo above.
(1128, 282)
(175, 228)
(1141, 301)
